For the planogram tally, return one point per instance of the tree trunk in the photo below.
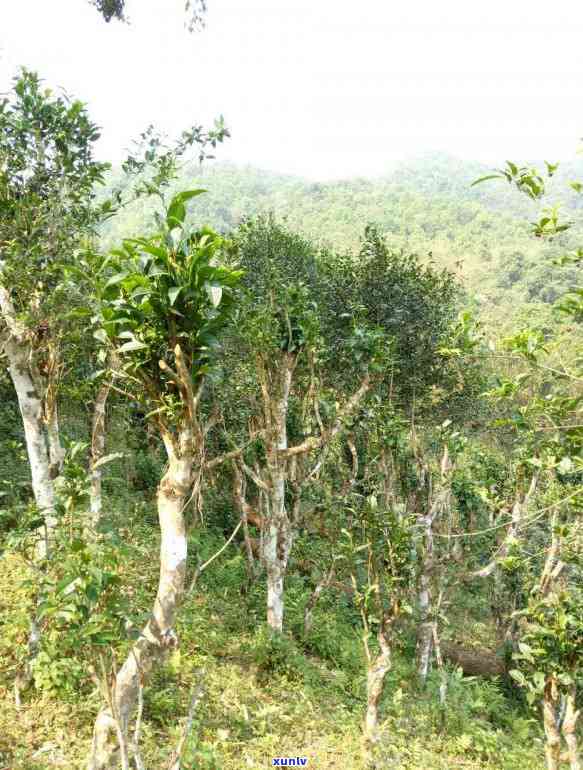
(51, 413)
(31, 409)
(426, 627)
(30, 402)
(377, 671)
(239, 487)
(437, 505)
(277, 544)
(158, 634)
(570, 734)
(553, 736)
(474, 661)
(98, 448)
(277, 536)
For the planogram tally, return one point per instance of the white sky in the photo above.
(321, 88)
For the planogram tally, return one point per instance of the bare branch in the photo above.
(315, 442)
(196, 696)
(518, 509)
(202, 567)
(255, 478)
(186, 385)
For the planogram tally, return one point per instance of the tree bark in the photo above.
(31, 409)
(553, 736)
(426, 627)
(440, 504)
(569, 732)
(277, 536)
(378, 668)
(25, 379)
(277, 543)
(239, 487)
(51, 412)
(98, 449)
(158, 634)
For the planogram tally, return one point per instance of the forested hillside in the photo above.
(426, 206)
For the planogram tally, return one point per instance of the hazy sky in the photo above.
(321, 88)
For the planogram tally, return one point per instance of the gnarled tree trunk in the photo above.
(569, 731)
(25, 379)
(378, 667)
(550, 722)
(31, 409)
(158, 634)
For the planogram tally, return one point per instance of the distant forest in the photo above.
(426, 206)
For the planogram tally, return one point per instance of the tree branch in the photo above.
(315, 442)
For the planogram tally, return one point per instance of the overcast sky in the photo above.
(320, 88)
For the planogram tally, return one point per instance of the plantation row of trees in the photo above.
(294, 391)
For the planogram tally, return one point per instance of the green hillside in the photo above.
(426, 206)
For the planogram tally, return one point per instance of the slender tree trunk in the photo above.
(519, 509)
(51, 413)
(425, 633)
(378, 668)
(98, 448)
(278, 535)
(239, 487)
(440, 503)
(158, 634)
(553, 736)
(31, 409)
(424, 636)
(569, 732)
(442, 671)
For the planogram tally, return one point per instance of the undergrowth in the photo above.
(264, 696)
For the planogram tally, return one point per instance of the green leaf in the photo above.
(132, 345)
(117, 278)
(208, 340)
(173, 293)
(188, 194)
(177, 210)
(155, 270)
(518, 677)
(176, 214)
(155, 251)
(215, 292)
(486, 178)
(525, 652)
(539, 680)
